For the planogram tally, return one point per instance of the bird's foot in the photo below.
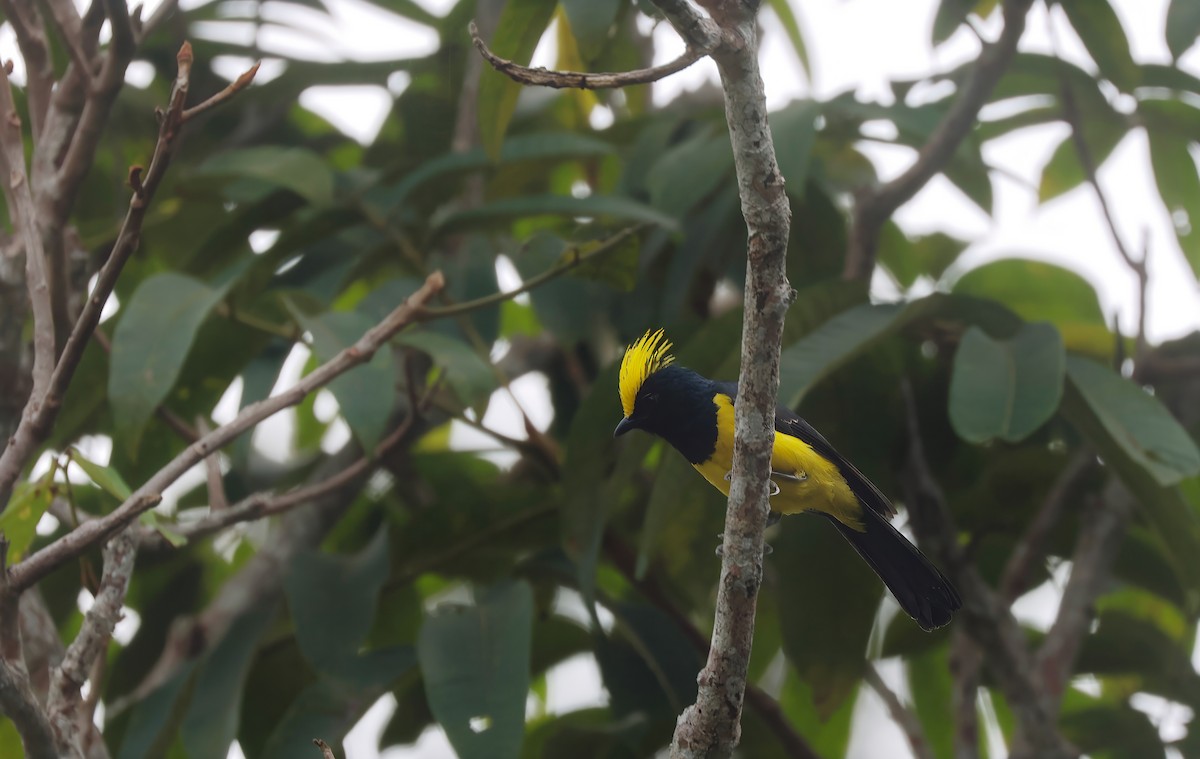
(720, 552)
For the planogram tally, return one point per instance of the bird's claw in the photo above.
(773, 484)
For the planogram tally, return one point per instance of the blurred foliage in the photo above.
(454, 583)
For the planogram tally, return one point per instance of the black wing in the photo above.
(790, 423)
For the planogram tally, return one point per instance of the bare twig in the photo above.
(64, 701)
(20, 204)
(712, 726)
(764, 705)
(700, 32)
(262, 505)
(1031, 549)
(572, 258)
(237, 85)
(40, 415)
(70, 30)
(1088, 163)
(89, 533)
(17, 699)
(988, 618)
(1100, 539)
(579, 80)
(326, 751)
(901, 714)
(30, 32)
(966, 662)
(874, 206)
(217, 501)
(165, 9)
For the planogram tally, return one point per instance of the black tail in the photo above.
(922, 590)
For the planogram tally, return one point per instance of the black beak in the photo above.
(625, 425)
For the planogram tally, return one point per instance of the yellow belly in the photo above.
(818, 484)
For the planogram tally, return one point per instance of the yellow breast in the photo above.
(814, 484)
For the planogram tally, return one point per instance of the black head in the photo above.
(676, 404)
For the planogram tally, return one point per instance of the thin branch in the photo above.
(764, 705)
(874, 206)
(966, 661)
(73, 544)
(579, 80)
(326, 751)
(988, 618)
(40, 416)
(15, 178)
(237, 85)
(712, 726)
(166, 8)
(262, 505)
(1100, 540)
(699, 31)
(1031, 549)
(1088, 163)
(901, 714)
(30, 31)
(217, 500)
(70, 30)
(64, 702)
(17, 699)
(573, 258)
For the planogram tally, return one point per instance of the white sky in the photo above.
(853, 44)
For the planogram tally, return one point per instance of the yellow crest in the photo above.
(643, 358)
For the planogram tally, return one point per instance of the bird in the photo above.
(695, 415)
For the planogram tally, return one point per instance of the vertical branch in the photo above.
(64, 703)
(17, 699)
(712, 726)
(20, 204)
(874, 206)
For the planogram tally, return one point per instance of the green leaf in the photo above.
(366, 393)
(1183, 26)
(503, 212)
(1006, 388)
(472, 378)
(951, 14)
(1064, 172)
(475, 662)
(616, 267)
(1112, 731)
(689, 172)
(932, 689)
(828, 736)
(925, 255)
(521, 25)
(152, 340)
(826, 624)
(105, 477)
(591, 21)
(332, 601)
(1137, 422)
(1179, 186)
(297, 169)
(1100, 29)
(1036, 291)
(835, 342)
(794, 130)
(215, 699)
(787, 19)
(18, 523)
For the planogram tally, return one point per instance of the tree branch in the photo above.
(579, 80)
(1031, 549)
(30, 32)
(901, 714)
(874, 206)
(17, 699)
(712, 726)
(767, 707)
(1100, 539)
(64, 702)
(988, 618)
(74, 543)
(43, 406)
(20, 207)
